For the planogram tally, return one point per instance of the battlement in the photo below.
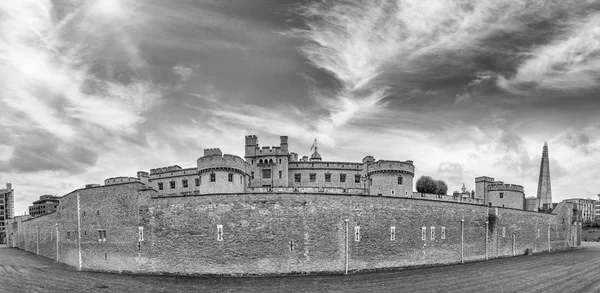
(368, 159)
(325, 165)
(383, 166)
(484, 179)
(142, 174)
(117, 180)
(91, 185)
(226, 161)
(165, 169)
(213, 152)
(502, 186)
(251, 140)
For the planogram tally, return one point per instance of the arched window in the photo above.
(260, 162)
(271, 161)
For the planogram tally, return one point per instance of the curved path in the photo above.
(574, 270)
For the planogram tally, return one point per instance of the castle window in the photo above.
(357, 233)
(280, 173)
(297, 177)
(101, 236)
(313, 177)
(230, 177)
(172, 183)
(503, 231)
(432, 232)
(184, 183)
(501, 194)
(260, 162)
(342, 177)
(213, 177)
(160, 186)
(252, 175)
(538, 235)
(68, 235)
(252, 162)
(219, 232)
(393, 192)
(393, 233)
(140, 233)
(443, 234)
(327, 177)
(279, 161)
(357, 178)
(197, 181)
(266, 173)
(423, 233)
(399, 180)
(270, 161)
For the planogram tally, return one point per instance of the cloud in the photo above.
(579, 140)
(570, 62)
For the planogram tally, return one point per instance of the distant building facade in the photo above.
(598, 208)
(45, 205)
(586, 206)
(464, 193)
(7, 198)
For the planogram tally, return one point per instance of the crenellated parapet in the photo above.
(222, 163)
(165, 169)
(505, 187)
(381, 166)
(118, 180)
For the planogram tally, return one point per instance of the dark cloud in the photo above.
(579, 140)
(38, 151)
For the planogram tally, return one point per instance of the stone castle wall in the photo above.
(278, 233)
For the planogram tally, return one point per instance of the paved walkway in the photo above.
(567, 271)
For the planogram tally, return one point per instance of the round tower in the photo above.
(222, 173)
(390, 178)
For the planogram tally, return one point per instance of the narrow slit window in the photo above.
(219, 232)
(357, 233)
(140, 233)
(538, 234)
(432, 232)
(291, 243)
(503, 231)
(443, 233)
(393, 233)
(423, 233)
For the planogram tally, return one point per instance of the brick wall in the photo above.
(281, 233)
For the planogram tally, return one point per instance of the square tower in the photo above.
(481, 184)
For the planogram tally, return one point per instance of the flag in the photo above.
(314, 145)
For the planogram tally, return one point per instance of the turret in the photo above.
(284, 144)
(251, 145)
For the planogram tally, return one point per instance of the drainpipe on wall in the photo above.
(486, 239)
(346, 220)
(37, 240)
(57, 255)
(513, 245)
(549, 247)
(462, 241)
(78, 231)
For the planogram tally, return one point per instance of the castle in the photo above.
(274, 213)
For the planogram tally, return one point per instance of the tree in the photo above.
(426, 184)
(442, 187)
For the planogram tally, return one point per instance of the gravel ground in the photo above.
(575, 270)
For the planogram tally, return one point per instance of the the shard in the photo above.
(544, 191)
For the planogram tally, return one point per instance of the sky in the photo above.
(92, 89)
